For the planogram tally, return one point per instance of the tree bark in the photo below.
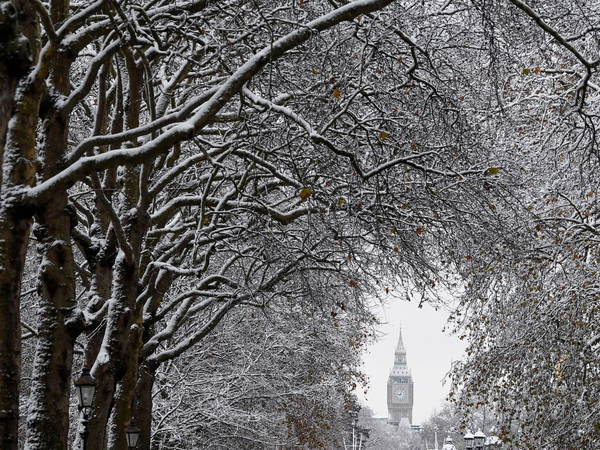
(48, 415)
(122, 414)
(142, 408)
(58, 315)
(135, 227)
(14, 237)
(59, 326)
(116, 364)
(19, 105)
(113, 364)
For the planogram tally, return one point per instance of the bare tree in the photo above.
(171, 141)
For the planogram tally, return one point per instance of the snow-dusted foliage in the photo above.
(276, 377)
(176, 161)
(170, 168)
(530, 309)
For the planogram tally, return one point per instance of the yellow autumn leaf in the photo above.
(491, 171)
(559, 372)
(341, 202)
(393, 230)
(384, 136)
(305, 192)
(405, 206)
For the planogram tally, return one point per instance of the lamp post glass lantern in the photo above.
(132, 433)
(469, 440)
(479, 439)
(86, 387)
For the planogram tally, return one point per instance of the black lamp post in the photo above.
(469, 441)
(86, 387)
(479, 440)
(132, 433)
(364, 436)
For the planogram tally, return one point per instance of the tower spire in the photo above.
(400, 354)
(400, 345)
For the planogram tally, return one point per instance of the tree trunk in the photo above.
(48, 415)
(100, 292)
(142, 408)
(122, 413)
(117, 362)
(103, 401)
(135, 227)
(112, 362)
(19, 105)
(14, 235)
(59, 318)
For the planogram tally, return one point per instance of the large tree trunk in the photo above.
(59, 326)
(142, 408)
(19, 105)
(113, 362)
(48, 417)
(122, 413)
(125, 322)
(102, 265)
(58, 316)
(143, 402)
(14, 235)
(8, 77)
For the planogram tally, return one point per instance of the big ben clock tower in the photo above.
(400, 388)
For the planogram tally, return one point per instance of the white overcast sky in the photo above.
(429, 353)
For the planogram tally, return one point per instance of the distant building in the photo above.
(400, 389)
(398, 430)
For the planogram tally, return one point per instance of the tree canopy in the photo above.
(218, 188)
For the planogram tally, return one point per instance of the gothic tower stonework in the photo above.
(400, 388)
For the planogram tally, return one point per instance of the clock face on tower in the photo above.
(400, 393)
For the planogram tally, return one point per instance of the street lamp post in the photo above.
(133, 434)
(364, 437)
(479, 439)
(360, 435)
(469, 441)
(86, 387)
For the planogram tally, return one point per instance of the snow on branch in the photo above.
(206, 113)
